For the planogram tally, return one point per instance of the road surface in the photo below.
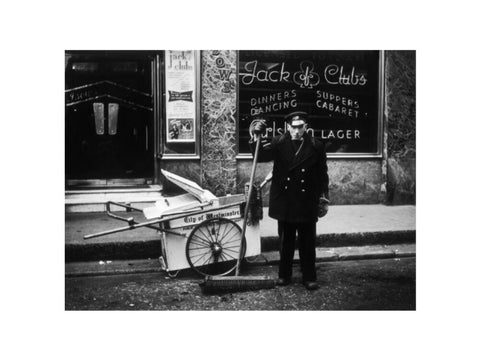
(387, 284)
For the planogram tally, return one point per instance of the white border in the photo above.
(37, 33)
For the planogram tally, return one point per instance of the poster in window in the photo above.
(181, 129)
(180, 95)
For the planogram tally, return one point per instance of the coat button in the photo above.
(288, 179)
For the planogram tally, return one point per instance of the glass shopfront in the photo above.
(340, 90)
(128, 111)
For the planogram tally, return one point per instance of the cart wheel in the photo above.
(213, 247)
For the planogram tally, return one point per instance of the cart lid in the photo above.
(190, 187)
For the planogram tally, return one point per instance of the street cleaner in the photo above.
(298, 193)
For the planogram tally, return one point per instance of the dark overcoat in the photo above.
(298, 181)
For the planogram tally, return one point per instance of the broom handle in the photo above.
(247, 206)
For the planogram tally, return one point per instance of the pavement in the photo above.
(347, 232)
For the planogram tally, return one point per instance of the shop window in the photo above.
(341, 90)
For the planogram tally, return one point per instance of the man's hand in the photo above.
(323, 207)
(259, 126)
(322, 210)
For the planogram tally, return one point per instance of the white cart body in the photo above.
(174, 246)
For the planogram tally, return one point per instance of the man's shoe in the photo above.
(310, 285)
(283, 281)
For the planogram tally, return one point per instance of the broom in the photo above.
(221, 284)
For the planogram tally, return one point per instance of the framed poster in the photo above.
(340, 90)
(180, 88)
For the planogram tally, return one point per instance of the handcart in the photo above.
(197, 230)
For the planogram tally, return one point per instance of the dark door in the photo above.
(109, 118)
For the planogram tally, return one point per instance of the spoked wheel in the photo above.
(213, 246)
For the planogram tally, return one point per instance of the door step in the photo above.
(95, 200)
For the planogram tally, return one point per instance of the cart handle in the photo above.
(134, 225)
(128, 207)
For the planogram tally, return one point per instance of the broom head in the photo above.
(230, 284)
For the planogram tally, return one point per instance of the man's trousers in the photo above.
(306, 248)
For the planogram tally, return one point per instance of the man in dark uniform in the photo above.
(298, 194)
